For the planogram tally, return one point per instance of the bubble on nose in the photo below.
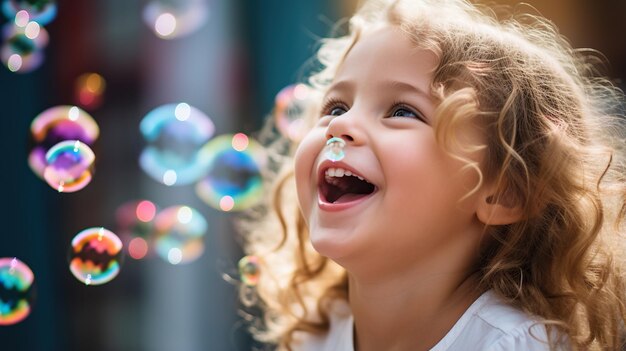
(334, 149)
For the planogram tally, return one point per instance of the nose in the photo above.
(346, 128)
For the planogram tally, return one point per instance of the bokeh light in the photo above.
(231, 173)
(70, 166)
(22, 48)
(179, 234)
(175, 133)
(289, 105)
(170, 19)
(135, 226)
(40, 11)
(89, 90)
(16, 290)
(240, 141)
(249, 270)
(57, 124)
(95, 256)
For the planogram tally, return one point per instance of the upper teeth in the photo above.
(340, 172)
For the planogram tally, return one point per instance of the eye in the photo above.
(334, 108)
(403, 110)
(337, 111)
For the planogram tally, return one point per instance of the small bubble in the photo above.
(95, 256)
(334, 149)
(249, 270)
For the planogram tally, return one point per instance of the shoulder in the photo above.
(491, 324)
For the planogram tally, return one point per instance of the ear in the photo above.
(498, 208)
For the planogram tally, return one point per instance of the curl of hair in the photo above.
(554, 148)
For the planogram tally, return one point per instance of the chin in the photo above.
(328, 244)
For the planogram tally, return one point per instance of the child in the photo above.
(478, 203)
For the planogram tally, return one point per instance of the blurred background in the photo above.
(136, 67)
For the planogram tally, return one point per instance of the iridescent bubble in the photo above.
(22, 50)
(89, 90)
(290, 104)
(249, 270)
(95, 256)
(57, 124)
(334, 149)
(135, 225)
(16, 290)
(179, 233)
(70, 166)
(173, 19)
(175, 133)
(40, 11)
(233, 176)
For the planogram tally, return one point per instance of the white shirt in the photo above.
(487, 325)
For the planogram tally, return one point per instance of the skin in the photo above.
(410, 248)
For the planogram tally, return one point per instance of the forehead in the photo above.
(388, 54)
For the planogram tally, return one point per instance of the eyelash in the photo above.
(333, 103)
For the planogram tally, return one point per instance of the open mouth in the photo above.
(338, 185)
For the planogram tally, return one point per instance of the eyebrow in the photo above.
(347, 85)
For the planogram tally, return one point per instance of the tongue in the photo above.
(347, 197)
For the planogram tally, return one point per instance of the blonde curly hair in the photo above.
(554, 147)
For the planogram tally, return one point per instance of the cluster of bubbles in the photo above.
(24, 37)
(181, 150)
(60, 153)
(175, 234)
(16, 290)
(170, 19)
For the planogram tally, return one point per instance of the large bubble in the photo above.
(16, 290)
(135, 225)
(175, 133)
(22, 50)
(40, 11)
(170, 19)
(233, 181)
(95, 256)
(179, 233)
(70, 166)
(57, 124)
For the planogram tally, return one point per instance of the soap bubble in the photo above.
(69, 166)
(173, 19)
(135, 225)
(334, 149)
(89, 90)
(95, 256)
(179, 233)
(40, 11)
(22, 50)
(234, 179)
(57, 124)
(175, 133)
(289, 105)
(249, 270)
(16, 290)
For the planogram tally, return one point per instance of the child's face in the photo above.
(380, 105)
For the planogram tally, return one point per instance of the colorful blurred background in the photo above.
(162, 81)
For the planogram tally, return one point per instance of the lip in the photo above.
(331, 207)
(335, 207)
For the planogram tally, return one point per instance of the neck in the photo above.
(403, 315)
